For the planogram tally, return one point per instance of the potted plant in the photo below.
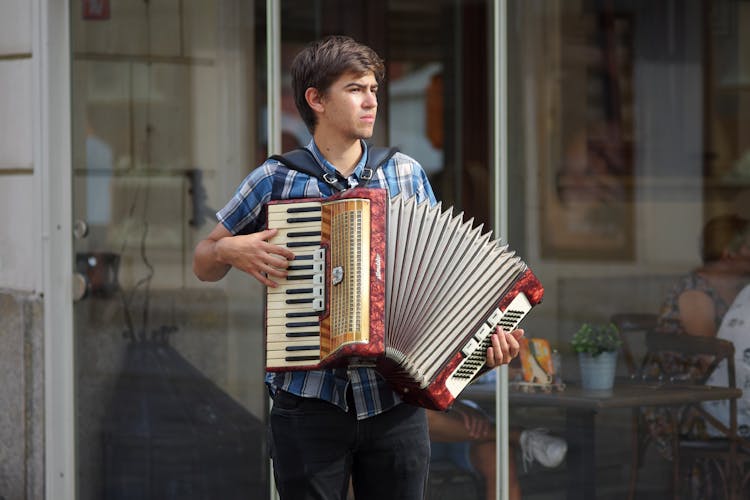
(597, 346)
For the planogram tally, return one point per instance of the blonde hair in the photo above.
(725, 233)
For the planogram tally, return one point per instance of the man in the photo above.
(329, 424)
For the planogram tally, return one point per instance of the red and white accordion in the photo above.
(407, 288)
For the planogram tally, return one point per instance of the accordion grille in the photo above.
(346, 224)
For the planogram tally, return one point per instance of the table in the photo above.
(581, 407)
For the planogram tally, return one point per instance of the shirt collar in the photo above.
(329, 168)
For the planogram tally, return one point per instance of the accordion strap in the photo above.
(302, 160)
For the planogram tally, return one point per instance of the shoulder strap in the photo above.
(376, 158)
(302, 160)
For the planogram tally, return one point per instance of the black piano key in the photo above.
(301, 324)
(299, 244)
(299, 291)
(299, 301)
(293, 220)
(302, 267)
(300, 277)
(300, 210)
(302, 358)
(293, 348)
(292, 335)
(307, 314)
(302, 234)
(303, 257)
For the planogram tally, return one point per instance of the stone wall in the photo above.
(21, 396)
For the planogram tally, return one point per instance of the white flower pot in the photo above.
(598, 372)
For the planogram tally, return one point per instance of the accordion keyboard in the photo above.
(475, 351)
(293, 308)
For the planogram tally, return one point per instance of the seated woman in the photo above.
(699, 300)
(696, 305)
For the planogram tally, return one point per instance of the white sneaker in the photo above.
(538, 444)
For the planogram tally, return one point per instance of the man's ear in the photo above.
(314, 99)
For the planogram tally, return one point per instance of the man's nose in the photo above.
(371, 100)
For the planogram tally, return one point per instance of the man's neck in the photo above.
(343, 156)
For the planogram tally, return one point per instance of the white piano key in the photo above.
(289, 288)
(310, 337)
(275, 363)
(289, 314)
(295, 220)
(281, 344)
(282, 330)
(292, 322)
(281, 355)
(284, 207)
(292, 243)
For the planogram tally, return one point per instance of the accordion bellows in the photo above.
(409, 289)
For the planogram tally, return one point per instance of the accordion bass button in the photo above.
(470, 347)
(494, 318)
(483, 332)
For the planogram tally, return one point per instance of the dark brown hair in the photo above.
(322, 62)
(723, 233)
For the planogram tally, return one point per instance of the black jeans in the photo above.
(316, 447)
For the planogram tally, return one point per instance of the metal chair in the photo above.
(728, 456)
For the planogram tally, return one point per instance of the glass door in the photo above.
(435, 106)
(170, 401)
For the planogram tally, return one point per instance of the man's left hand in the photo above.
(504, 347)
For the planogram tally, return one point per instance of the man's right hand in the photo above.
(251, 253)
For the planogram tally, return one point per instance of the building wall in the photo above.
(21, 396)
(19, 215)
(21, 303)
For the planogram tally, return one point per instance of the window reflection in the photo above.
(628, 123)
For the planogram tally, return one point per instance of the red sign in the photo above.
(96, 10)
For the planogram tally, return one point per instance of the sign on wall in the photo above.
(95, 10)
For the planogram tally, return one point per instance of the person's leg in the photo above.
(514, 486)
(392, 456)
(482, 455)
(311, 442)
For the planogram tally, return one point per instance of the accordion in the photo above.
(409, 289)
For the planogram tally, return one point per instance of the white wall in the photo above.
(19, 214)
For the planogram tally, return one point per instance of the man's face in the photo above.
(349, 107)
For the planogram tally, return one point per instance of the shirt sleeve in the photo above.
(423, 187)
(244, 213)
(408, 178)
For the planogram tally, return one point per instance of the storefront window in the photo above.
(169, 395)
(628, 148)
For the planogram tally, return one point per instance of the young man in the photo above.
(328, 425)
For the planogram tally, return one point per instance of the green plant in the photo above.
(596, 339)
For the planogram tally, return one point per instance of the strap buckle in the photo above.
(330, 179)
(366, 174)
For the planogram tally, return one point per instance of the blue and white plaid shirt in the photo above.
(245, 214)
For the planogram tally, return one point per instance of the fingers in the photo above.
(517, 334)
(283, 252)
(514, 346)
(265, 261)
(476, 426)
(504, 347)
(263, 279)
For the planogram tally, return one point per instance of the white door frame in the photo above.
(53, 171)
(499, 160)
